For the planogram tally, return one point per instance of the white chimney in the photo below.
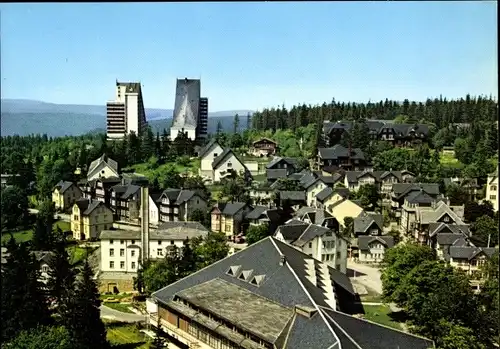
(144, 216)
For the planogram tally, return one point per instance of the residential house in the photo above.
(442, 235)
(272, 217)
(228, 218)
(226, 164)
(368, 224)
(372, 247)
(280, 168)
(42, 257)
(264, 147)
(492, 190)
(316, 216)
(417, 224)
(125, 202)
(89, 218)
(270, 295)
(470, 185)
(401, 190)
(261, 194)
(383, 180)
(343, 209)
(103, 167)
(341, 157)
(65, 194)
(404, 135)
(316, 185)
(154, 207)
(292, 198)
(121, 251)
(207, 155)
(99, 189)
(179, 204)
(329, 196)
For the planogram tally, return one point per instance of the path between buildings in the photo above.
(368, 276)
(62, 216)
(112, 314)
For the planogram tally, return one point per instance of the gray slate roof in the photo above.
(293, 195)
(364, 221)
(272, 174)
(400, 190)
(286, 286)
(339, 151)
(230, 208)
(364, 241)
(469, 252)
(278, 159)
(103, 159)
(62, 186)
(88, 206)
(257, 212)
(207, 148)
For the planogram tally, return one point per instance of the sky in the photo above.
(250, 55)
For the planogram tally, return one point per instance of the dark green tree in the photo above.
(210, 249)
(369, 196)
(236, 124)
(14, 208)
(256, 233)
(188, 260)
(42, 337)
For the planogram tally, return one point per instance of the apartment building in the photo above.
(65, 194)
(492, 190)
(179, 204)
(190, 110)
(126, 112)
(89, 218)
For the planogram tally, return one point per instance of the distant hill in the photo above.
(23, 117)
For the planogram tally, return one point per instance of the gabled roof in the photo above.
(103, 159)
(206, 149)
(312, 231)
(364, 241)
(292, 230)
(264, 139)
(338, 151)
(363, 222)
(278, 159)
(226, 153)
(276, 173)
(469, 252)
(419, 197)
(227, 288)
(230, 208)
(434, 214)
(88, 206)
(293, 195)
(438, 227)
(257, 212)
(400, 190)
(125, 191)
(62, 186)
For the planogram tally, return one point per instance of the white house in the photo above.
(321, 243)
(492, 190)
(227, 162)
(154, 208)
(208, 154)
(372, 248)
(104, 167)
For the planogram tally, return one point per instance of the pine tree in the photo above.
(61, 282)
(236, 124)
(85, 324)
(158, 342)
(23, 303)
(188, 260)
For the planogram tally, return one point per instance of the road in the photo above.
(370, 276)
(62, 216)
(112, 314)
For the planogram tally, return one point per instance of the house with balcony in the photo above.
(263, 147)
(65, 194)
(340, 157)
(89, 218)
(229, 218)
(227, 164)
(315, 185)
(125, 202)
(239, 302)
(316, 216)
(372, 248)
(207, 155)
(492, 190)
(400, 191)
(280, 168)
(103, 167)
(291, 199)
(121, 251)
(99, 189)
(261, 194)
(441, 236)
(404, 135)
(179, 204)
(383, 180)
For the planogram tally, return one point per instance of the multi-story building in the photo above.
(190, 110)
(383, 180)
(103, 167)
(492, 190)
(178, 204)
(89, 218)
(125, 201)
(121, 250)
(126, 113)
(270, 295)
(65, 194)
(340, 157)
(228, 218)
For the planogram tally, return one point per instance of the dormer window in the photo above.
(229, 165)
(215, 155)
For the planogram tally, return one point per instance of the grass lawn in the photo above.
(126, 336)
(124, 308)
(77, 254)
(149, 172)
(449, 160)
(381, 315)
(116, 296)
(26, 235)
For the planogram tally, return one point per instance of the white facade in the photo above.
(154, 217)
(312, 191)
(374, 254)
(132, 105)
(328, 248)
(492, 190)
(102, 171)
(231, 162)
(206, 169)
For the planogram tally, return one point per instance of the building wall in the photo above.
(100, 219)
(206, 161)
(492, 192)
(374, 254)
(104, 171)
(195, 203)
(332, 200)
(154, 217)
(230, 163)
(132, 105)
(312, 192)
(346, 209)
(66, 200)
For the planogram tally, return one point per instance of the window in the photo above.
(473, 262)
(122, 242)
(122, 265)
(172, 242)
(159, 252)
(111, 242)
(493, 187)
(229, 165)
(45, 269)
(338, 255)
(133, 265)
(446, 218)
(132, 253)
(310, 245)
(111, 252)
(159, 242)
(111, 265)
(133, 242)
(122, 252)
(215, 155)
(493, 197)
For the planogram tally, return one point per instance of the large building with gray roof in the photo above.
(190, 110)
(270, 295)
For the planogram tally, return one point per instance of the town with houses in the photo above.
(303, 283)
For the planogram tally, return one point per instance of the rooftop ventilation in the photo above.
(282, 260)
(245, 275)
(257, 280)
(233, 270)
(306, 311)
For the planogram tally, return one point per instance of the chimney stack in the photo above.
(144, 216)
